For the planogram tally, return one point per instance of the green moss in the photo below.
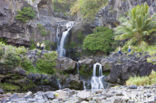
(26, 14)
(9, 87)
(85, 71)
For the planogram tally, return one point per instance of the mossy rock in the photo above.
(8, 87)
(86, 71)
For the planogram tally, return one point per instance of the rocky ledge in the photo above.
(123, 94)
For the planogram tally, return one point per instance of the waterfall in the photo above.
(59, 84)
(61, 49)
(97, 82)
(77, 67)
(84, 85)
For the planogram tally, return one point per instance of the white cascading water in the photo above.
(84, 85)
(61, 49)
(97, 81)
(77, 67)
(59, 84)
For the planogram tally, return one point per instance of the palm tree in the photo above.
(137, 26)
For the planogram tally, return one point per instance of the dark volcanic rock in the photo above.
(123, 66)
(108, 15)
(18, 33)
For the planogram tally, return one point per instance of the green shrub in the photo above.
(27, 65)
(26, 14)
(138, 81)
(21, 50)
(47, 63)
(141, 81)
(12, 59)
(100, 41)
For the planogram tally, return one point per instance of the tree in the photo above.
(137, 27)
(100, 41)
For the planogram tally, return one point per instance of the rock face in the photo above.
(113, 95)
(123, 66)
(17, 33)
(75, 39)
(108, 15)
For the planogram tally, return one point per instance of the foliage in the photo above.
(47, 63)
(49, 45)
(137, 27)
(26, 64)
(62, 6)
(100, 41)
(26, 14)
(12, 59)
(9, 87)
(20, 50)
(42, 30)
(87, 8)
(140, 81)
(152, 52)
(33, 45)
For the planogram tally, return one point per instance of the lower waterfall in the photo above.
(97, 82)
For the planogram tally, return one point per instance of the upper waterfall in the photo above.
(61, 50)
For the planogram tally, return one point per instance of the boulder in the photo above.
(86, 61)
(73, 82)
(124, 66)
(65, 64)
(86, 67)
(84, 95)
